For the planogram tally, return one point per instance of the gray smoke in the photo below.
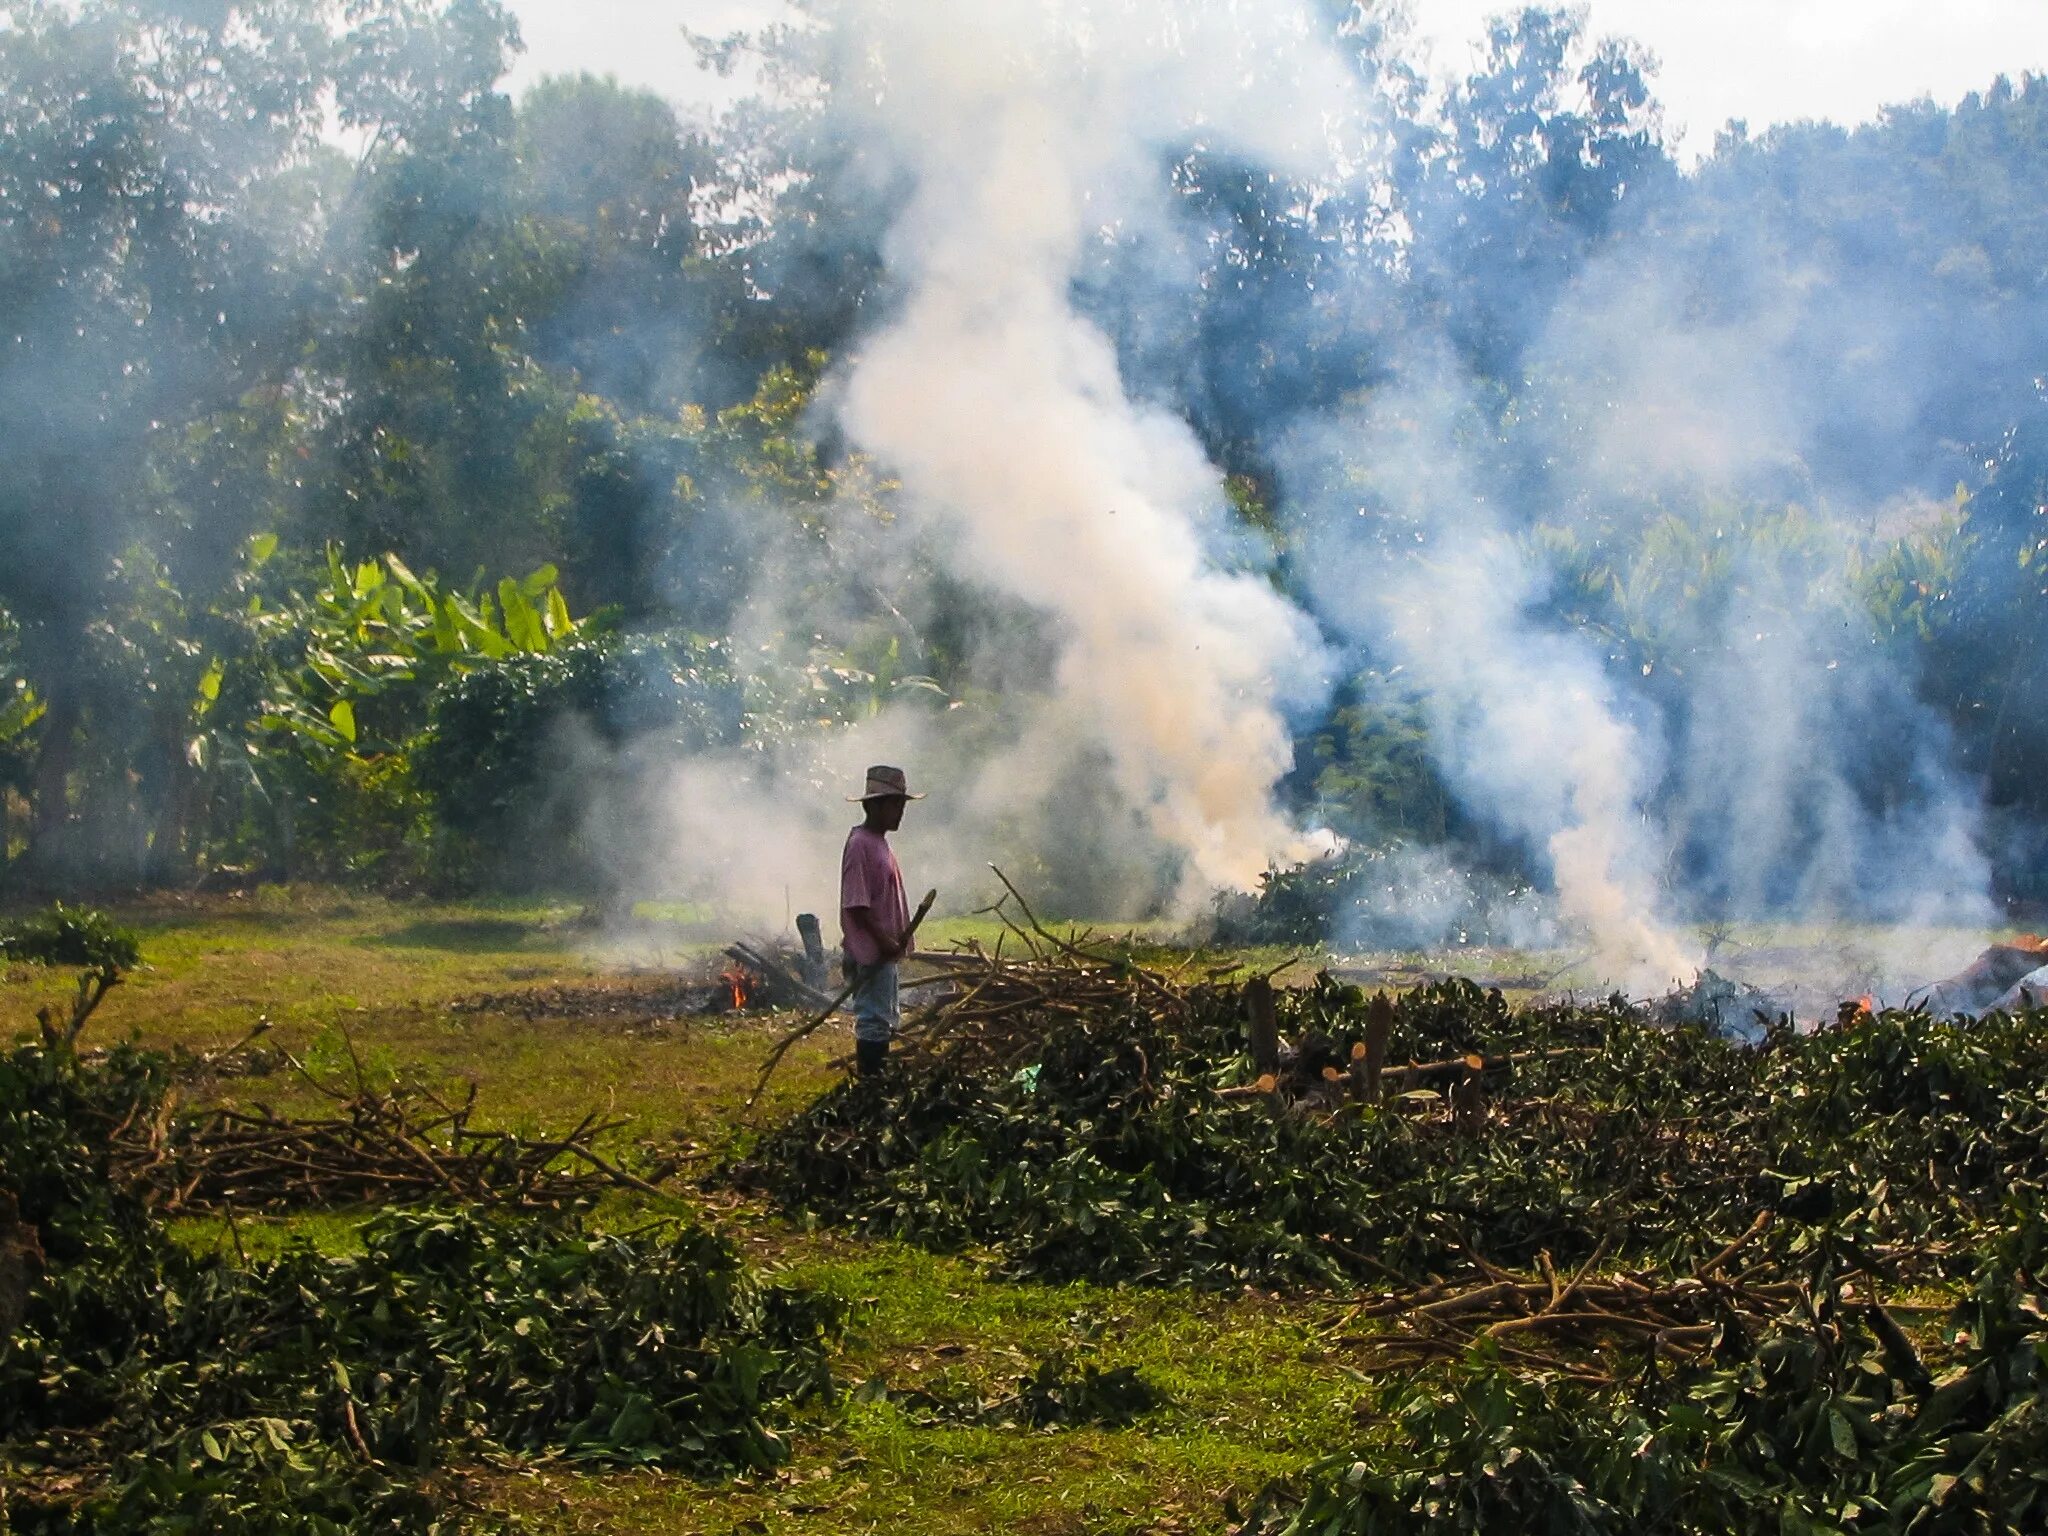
(1735, 782)
(1407, 556)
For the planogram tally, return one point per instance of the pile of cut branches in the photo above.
(1823, 1417)
(996, 1013)
(401, 1144)
(1556, 1323)
(1654, 1275)
(1087, 1116)
(385, 1142)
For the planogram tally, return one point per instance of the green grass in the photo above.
(1253, 1391)
(316, 965)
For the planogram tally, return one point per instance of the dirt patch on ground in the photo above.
(625, 999)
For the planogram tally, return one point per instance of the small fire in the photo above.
(1857, 1010)
(740, 983)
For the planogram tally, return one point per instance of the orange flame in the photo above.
(741, 983)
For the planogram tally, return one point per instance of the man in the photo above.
(874, 915)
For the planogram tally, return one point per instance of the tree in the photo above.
(1549, 149)
(645, 307)
(801, 206)
(435, 388)
(139, 299)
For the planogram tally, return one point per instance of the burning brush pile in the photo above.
(1655, 1275)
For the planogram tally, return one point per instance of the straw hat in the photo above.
(884, 782)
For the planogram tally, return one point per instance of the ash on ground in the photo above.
(1730, 1008)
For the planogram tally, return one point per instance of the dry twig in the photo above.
(402, 1142)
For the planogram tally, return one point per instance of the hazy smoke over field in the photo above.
(1682, 396)
(1782, 762)
(1805, 773)
(1185, 434)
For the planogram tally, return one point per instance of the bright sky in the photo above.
(1772, 61)
(1765, 61)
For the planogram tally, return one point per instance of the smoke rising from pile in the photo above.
(1730, 422)
(1419, 567)
(1002, 410)
(1739, 780)
(1729, 784)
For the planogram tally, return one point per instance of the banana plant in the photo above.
(20, 705)
(375, 633)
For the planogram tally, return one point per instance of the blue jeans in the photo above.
(876, 1012)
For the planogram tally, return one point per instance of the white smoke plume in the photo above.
(1148, 713)
(1027, 128)
(1525, 722)
(1788, 686)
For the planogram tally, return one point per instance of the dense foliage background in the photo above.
(370, 444)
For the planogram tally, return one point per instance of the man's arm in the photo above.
(890, 946)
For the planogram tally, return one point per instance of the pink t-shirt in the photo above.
(870, 877)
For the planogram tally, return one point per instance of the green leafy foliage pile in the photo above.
(1814, 1425)
(151, 1388)
(1120, 1158)
(1896, 1150)
(1063, 1389)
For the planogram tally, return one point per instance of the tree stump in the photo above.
(815, 973)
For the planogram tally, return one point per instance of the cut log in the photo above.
(1425, 1074)
(1379, 1024)
(1468, 1098)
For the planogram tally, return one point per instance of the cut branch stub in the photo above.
(816, 972)
(1379, 1025)
(1262, 1030)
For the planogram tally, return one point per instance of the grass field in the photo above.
(540, 1012)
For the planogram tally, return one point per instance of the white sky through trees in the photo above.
(1764, 61)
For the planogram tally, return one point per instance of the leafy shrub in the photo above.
(186, 1392)
(496, 748)
(1388, 896)
(1813, 1426)
(64, 935)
